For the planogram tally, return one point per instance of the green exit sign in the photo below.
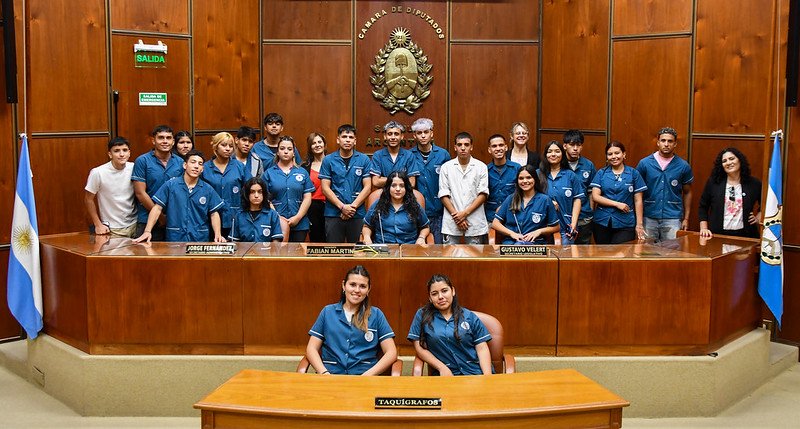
(152, 60)
(152, 98)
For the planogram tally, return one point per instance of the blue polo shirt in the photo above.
(538, 213)
(228, 186)
(345, 348)
(428, 180)
(621, 190)
(502, 181)
(267, 154)
(287, 191)
(149, 169)
(395, 227)
(266, 227)
(564, 189)
(382, 164)
(585, 171)
(345, 180)
(460, 357)
(664, 196)
(187, 211)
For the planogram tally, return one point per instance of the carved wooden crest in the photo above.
(401, 74)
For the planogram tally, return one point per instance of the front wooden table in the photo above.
(553, 399)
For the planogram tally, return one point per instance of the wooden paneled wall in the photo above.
(618, 70)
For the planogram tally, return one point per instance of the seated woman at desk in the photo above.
(347, 335)
(256, 221)
(527, 216)
(727, 205)
(449, 338)
(397, 216)
(617, 190)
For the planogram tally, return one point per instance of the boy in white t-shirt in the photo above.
(111, 184)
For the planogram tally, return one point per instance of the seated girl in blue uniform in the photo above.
(564, 189)
(617, 189)
(346, 336)
(527, 216)
(291, 188)
(256, 221)
(397, 216)
(449, 338)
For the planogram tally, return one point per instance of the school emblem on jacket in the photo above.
(358, 171)
(401, 76)
(298, 177)
(630, 188)
(568, 193)
(202, 200)
(674, 182)
(465, 325)
(235, 189)
(585, 174)
(438, 169)
(266, 231)
(536, 218)
(369, 336)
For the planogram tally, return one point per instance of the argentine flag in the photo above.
(24, 269)
(770, 274)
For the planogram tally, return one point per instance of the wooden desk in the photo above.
(687, 296)
(553, 399)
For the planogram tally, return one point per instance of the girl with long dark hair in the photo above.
(346, 336)
(256, 221)
(397, 216)
(317, 149)
(448, 337)
(564, 189)
(527, 216)
(617, 189)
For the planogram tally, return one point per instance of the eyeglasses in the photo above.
(732, 193)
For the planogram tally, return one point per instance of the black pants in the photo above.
(609, 235)
(159, 233)
(338, 230)
(316, 231)
(298, 236)
(584, 232)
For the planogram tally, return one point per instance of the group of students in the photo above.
(352, 337)
(263, 191)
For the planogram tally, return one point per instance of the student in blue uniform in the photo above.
(150, 172)
(291, 189)
(668, 199)
(397, 216)
(584, 169)
(243, 152)
(256, 221)
(267, 148)
(617, 189)
(527, 216)
(189, 204)
(226, 175)
(392, 157)
(564, 189)
(502, 175)
(449, 338)
(183, 143)
(430, 159)
(344, 176)
(347, 335)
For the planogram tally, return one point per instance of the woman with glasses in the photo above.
(519, 153)
(729, 197)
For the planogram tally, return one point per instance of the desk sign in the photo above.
(512, 250)
(329, 251)
(409, 403)
(210, 249)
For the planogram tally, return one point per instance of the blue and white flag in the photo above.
(24, 269)
(770, 275)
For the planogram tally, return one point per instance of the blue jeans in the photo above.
(661, 229)
(436, 228)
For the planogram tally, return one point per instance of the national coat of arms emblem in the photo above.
(401, 74)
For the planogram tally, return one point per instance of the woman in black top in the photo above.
(520, 134)
(727, 205)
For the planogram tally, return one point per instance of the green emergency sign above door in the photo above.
(150, 56)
